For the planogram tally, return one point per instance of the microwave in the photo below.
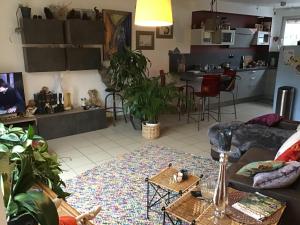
(262, 38)
(223, 37)
(227, 37)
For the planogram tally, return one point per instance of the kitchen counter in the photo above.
(252, 69)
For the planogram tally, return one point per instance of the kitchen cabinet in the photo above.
(221, 37)
(251, 84)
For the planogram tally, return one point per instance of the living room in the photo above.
(111, 101)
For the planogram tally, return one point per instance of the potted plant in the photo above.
(25, 161)
(147, 100)
(128, 67)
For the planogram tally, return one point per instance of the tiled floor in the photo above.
(81, 152)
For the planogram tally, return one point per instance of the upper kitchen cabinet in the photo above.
(84, 32)
(38, 31)
(221, 37)
(218, 28)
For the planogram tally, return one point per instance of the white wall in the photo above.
(277, 24)
(78, 83)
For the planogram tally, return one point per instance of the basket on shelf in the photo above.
(151, 131)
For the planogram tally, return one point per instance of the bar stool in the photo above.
(180, 90)
(228, 85)
(112, 92)
(210, 87)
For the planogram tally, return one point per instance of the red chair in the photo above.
(228, 82)
(210, 87)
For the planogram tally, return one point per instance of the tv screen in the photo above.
(12, 98)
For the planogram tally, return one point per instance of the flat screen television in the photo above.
(12, 98)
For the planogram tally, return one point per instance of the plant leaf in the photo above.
(24, 176)
(18, 149)
(30, 132)
(10, 137)
(3, 148)
(38, 157)
(39, 206)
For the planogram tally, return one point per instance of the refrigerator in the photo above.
(288, 74)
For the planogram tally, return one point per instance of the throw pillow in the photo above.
(280, 178)
(288, 143)
(266, 120)
(258, 167)
(291, 154)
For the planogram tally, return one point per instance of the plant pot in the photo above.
(25, 219)
(26, 12)
(151, 131)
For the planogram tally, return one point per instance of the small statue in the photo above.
(30, 108)
(98, 14)
(79, 220)
(94, 100)
(48, 13)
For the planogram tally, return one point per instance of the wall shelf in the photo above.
(57, 45)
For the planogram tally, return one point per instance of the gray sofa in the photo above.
(247, 136)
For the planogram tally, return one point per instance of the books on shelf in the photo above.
(258, 206)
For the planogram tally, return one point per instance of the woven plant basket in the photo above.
(151, 131)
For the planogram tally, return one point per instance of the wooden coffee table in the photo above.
(164, 190)
(194, 211)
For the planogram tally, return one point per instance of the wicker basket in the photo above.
(151, 131)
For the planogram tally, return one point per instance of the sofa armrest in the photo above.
(288, 124)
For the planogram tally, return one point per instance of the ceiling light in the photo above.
(153, 13)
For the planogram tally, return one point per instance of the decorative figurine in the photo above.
(94, 100)
(221, 195)
(30, 108)
(67, 101)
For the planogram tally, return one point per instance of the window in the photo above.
(291, 33)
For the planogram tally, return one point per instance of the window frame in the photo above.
(284, 20)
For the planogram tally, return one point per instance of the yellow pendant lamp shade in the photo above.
(153, 13)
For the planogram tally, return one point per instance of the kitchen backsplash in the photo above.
(208, 55)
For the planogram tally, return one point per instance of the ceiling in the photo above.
(267, 2)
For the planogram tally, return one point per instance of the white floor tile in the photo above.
(81, 152)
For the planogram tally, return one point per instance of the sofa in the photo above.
(290, 195)
(247, 136)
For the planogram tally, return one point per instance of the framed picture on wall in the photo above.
(117, 31)
(164, 32)
(145, 40)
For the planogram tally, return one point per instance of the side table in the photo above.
(164, 190)
(194, 211)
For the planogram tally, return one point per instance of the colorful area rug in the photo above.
(119, 186)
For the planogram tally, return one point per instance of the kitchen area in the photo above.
(226, 41)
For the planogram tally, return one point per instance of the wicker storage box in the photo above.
(151, 131)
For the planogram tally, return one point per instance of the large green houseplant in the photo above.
(148, 99)
(25, 161)
(128, 67)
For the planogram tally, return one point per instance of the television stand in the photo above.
(70, 122)
(18, 121)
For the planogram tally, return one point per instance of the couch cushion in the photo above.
(288, 144)
(269, 120)
(280, 178)
(260, 166)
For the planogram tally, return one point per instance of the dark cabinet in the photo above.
(44, 59)
(83, 58)
(80, 32)
(70, 122)
(59, 35)
(36, 31)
